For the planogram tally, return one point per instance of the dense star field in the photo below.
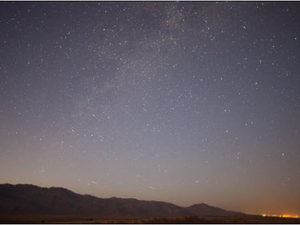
(184, 102)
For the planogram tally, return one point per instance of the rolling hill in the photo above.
(24, 199)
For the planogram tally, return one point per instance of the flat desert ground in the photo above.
(83, 219)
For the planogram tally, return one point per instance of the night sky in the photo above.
(183, 102)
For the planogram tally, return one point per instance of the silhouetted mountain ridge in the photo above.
(31, 199)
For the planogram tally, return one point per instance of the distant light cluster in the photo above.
(282, 216)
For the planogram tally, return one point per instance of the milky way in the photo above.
(179, 102)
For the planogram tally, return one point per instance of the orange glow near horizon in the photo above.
(283, 216)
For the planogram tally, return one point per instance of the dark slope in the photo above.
(203, 210)
(30, 199)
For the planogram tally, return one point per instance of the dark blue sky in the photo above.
(184, 102)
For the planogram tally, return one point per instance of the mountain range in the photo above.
(25, 199)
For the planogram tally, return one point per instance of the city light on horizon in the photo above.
(278, 215)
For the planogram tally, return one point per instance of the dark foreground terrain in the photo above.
(32, 204)
(77, 219)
